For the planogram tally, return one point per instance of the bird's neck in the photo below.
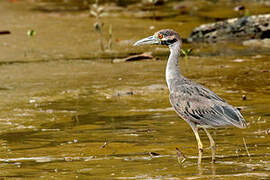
(172, 69)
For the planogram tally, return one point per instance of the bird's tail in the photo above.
(239, 122)
(242, 121)
(234, 116)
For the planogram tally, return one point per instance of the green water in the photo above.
(68, 114)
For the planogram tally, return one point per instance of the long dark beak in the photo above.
(148, 40)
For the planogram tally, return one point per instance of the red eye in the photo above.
(160, 36)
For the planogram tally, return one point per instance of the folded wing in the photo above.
(203, 107)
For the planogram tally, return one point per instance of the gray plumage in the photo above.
(201, 106)
(196, 104)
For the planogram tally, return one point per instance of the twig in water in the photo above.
(152, 154)
(180, 156)
(267, 131)
(246, 147)
(104, 145)
(4, 32)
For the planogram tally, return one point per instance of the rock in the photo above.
(125, 93)
(239, 8)
(247, 27)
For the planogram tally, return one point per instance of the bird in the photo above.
(196, 104)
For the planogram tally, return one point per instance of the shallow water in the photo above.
(64, 115)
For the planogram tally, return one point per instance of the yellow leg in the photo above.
(212, 144)
(200, 146)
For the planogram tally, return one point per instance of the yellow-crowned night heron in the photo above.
(197, 105)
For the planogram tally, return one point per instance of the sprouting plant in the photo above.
(98, 11)
(30, 33)
(110, 38)
(247, 13)
(186, 52)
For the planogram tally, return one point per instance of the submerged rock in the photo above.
(248, 27)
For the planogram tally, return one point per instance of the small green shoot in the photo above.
(247, 13)
(31, 32)
(186, 52)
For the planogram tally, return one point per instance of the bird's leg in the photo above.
(212, 144)
(200, 146)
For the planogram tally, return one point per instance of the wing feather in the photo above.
(202, 106)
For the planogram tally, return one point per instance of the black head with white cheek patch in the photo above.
(168, 37)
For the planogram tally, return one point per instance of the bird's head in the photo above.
(166, 37)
